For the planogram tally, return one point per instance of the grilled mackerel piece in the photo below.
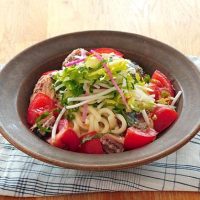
(75, 54)
(45, 86)
(112, 143)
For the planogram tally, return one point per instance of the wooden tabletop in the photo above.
(175, 22)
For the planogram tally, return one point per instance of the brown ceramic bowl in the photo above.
(19, 76)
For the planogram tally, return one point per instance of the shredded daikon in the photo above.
(79, 104)
(104, 85)
(146, 118)
(100, 99)
(96, 91)
(59, 86)
(53, 135)
(176, 98)
(88, 100)
(167, 106)
(93, 97)
(96, 86)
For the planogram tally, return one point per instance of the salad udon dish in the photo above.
(100, 102)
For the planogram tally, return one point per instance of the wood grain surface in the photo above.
(121, 196)
(175, 22)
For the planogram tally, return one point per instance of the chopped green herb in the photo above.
(147, 78)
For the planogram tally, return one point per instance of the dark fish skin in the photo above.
(45, 86)
(73, 54)
(112, 143)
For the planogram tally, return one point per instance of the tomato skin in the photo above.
(108, 50)
(136, 138)
(67, 139)
(90, 134)
(156, 91)
(92, 146)
(40, 104)
(156, 82)
(159, 79)
(164, 118)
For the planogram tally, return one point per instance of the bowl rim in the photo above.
(103, 166)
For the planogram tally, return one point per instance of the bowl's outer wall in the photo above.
(19, 76)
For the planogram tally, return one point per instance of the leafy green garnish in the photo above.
(70, 114)
(72, 82)
(147, 78)
(92, 62)
(42, 116)
(90, 137)
(141, 105)
(43, 130)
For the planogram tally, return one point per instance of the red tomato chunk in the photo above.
(108, 50)
(136, 138)
(164, 117)
(40, 104)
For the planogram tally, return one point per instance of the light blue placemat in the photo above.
(21, 175)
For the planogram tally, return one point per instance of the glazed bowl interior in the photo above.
(18, 78)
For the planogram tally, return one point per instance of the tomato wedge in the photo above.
(136, 138)
(67, 139)
(156, 91)
(162, 82)
(91, 146)
(164, 118)
(88, 135)
(40, 104)
(108, 50)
